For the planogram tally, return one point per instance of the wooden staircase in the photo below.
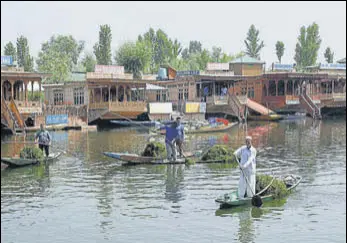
(236, 106)
(11, 117)
(307, 103)
(94, 114)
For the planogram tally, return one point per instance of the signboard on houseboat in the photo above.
(187, 73)
(29, 110)
(109, 69)
(56, 119)
(212, 66)
(6, 60)
(160, 108)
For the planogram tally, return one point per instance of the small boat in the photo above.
(203, 129)
(136, 159)
(17, 161)
(271, 117)
(208, 129)
(231, 199)
(135, 123)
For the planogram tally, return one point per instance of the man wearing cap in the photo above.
(247, 153)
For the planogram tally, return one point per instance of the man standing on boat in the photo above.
(44, 139)
(180, 136)
(170, 137)
(247, 153)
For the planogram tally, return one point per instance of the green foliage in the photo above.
(89, 62)
(102, 49)
(23, 54)
(189, 161)
(155, 149)
(329, 55)
(220, 152)
(216, 54)
(58, 56)
(277, 189)
(253, 47)
(279, 50)
(10, 50)
(36, 96)
(133, 57)
(306, 50)
(31, 153)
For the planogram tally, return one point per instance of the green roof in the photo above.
(247, 60)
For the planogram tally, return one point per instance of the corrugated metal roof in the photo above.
(151, 87)
(343, 60)
(248, 60)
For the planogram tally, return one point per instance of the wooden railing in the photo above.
(16, 114)
(236, 106)
(6, 113)
(310, 106)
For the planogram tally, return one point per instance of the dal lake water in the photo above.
(86, 197)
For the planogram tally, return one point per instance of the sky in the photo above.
(222, 24)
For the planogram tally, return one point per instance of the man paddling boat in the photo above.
(44, 139)
(247, 153)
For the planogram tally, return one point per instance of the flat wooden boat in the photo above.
(138, 159)
(17, 161)
(232, 199)
(208, 129)
(272, 117)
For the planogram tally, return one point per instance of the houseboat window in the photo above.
(78, 96)
(164, 96)
(58, 97)
(158, 95)
(180, 94)
(186, 94)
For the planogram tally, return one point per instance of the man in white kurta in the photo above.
(247, 153)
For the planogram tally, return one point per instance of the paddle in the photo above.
(256, 199)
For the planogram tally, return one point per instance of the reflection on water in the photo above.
(93, 198)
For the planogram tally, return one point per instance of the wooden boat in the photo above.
(135, 159)
(271, 117)
(204, 129)
(208, 129)
(138, 159)
(135, 123)
(231, 199)
(17, 161)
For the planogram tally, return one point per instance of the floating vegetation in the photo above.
(278, 188)
(31, 153)
(220, 153)
(155, 149)
(189, 161)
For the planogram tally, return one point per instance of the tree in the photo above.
(89, 62)
(253, 47)
(102, 49)
(279, 50)
(329, 55)
(307, 47)
(133, 57)
(10, 50)
(216, 54)
(58, 56)
(195, 47)
(23, 55)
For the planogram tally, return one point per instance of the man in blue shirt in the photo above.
(170, 137)
(180, 135)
